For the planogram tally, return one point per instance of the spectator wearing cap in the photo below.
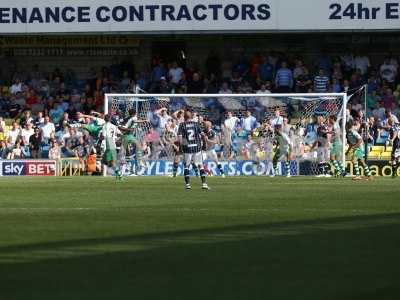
(164, 87)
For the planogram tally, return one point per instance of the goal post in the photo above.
(299, 113)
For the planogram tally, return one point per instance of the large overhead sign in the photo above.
(62, 16)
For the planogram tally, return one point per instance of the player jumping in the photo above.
(190, 138)
(110, 134)
(356, 149)
(322, 144)
(283, 148)
(336, 150)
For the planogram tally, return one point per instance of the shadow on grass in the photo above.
(336, 258)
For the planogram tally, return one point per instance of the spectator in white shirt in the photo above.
(2, 125)
(231, 121)
(55, 150)
(16, 87)
(278, 119)
(361, 62)
(47, 128)
(249, 123)
(263, 89)
(225, 89)
(388, 71)
(13, 134)
(27, 132)
(175, 73)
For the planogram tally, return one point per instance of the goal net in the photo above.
(246, 128)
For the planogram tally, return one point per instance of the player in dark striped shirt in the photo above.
(191, 138)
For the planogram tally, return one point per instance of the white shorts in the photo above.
(210, 154)
(323, 154)
(196, 158)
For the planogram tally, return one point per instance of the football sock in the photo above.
(395, 166)
(221, 170)
(357, 168)
(287, 166)
(366, 170)
(337, 165)
(203, 176)
(321, 168)
(175, 169)
(186, 174)
(195, 169)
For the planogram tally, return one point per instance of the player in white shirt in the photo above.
(110, 134)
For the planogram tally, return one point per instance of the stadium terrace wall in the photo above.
(62, 16)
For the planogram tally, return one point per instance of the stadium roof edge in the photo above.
(201, 32)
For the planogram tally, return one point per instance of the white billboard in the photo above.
(62, 16)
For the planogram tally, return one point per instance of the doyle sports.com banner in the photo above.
(65, 16)
(28, 168)
(231, 168)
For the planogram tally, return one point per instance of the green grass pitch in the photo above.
(247, 238)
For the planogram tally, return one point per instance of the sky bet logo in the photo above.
(28, 168)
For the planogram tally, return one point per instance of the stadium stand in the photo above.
(32, 96)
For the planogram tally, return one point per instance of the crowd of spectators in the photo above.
(39, 112)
